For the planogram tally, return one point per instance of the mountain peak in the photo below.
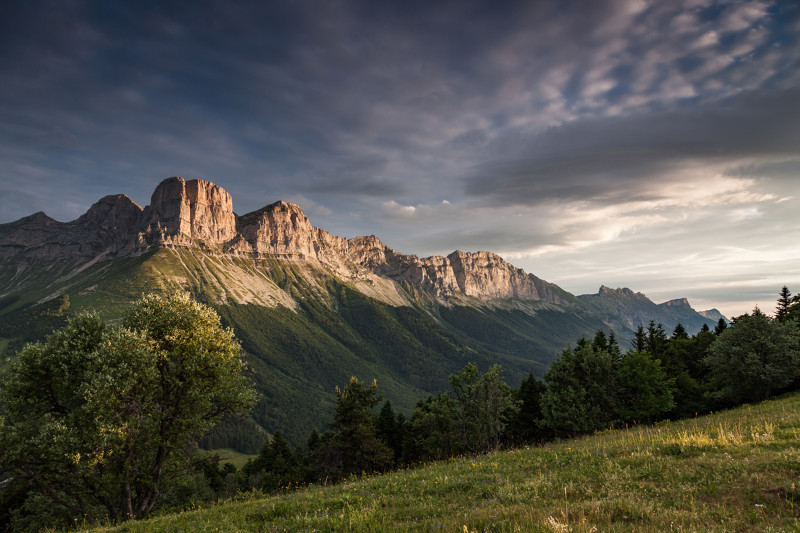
(677, 303)
(623, 292)
(182, 212)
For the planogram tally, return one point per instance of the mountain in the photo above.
(624, 309)
(713, 314)
(309, 308)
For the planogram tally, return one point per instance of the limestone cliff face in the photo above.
(481, 275)
(678, 303)
(186, 213)
(280, 229)
(198, 213)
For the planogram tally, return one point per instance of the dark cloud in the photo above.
(612, 161)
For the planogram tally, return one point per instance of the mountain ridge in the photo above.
(200, 213)
(310, 309)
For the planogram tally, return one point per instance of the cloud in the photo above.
(635, 157)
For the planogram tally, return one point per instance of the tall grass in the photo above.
(732, 471)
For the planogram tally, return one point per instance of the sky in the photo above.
(643, 144)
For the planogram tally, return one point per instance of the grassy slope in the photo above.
(732, 471)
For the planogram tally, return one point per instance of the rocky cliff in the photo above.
(198, 213)
(107, 228)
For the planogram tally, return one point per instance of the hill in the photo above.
(729, 471)
(310, 309)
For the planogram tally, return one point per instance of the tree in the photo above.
(431, 431)
(657, 340)
(356, 443)
(639, 342)
(527, 424)
(720, 327)
(581, 391)
(103, 416)
(753, 357)
(784, 303)
(276, 464)
(793, 312)
(482, 405)
(680, 332)
(645, 391)
(389, 430)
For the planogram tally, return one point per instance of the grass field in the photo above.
(233, 457)
(732, 471)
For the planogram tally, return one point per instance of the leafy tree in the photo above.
(431, 432)
(357, 445)
(754, 357)
(481, 405)
(793, 312)
(645, 391)
(581, 391)
(784, 303)
(106, 417)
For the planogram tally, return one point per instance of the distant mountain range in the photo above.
(310, 309)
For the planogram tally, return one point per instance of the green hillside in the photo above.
(304, 330)
(732, 471)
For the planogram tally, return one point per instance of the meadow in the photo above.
(737, 470)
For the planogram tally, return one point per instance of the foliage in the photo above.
(784, 303)
(580, 395)
(356, 443)
(754, 357)
(645, 391)
(482, 405)
(431, 430)
(527, 424)
(390, 429)
(471, 418)
(107, 416)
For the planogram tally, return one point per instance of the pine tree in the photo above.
(356, 442)
(386, 429)
(613, 346)
(680, 332)
(600, 341)
(527, 425)
(720, 327)
(639, 343)
(656, 339)
(784, 303)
